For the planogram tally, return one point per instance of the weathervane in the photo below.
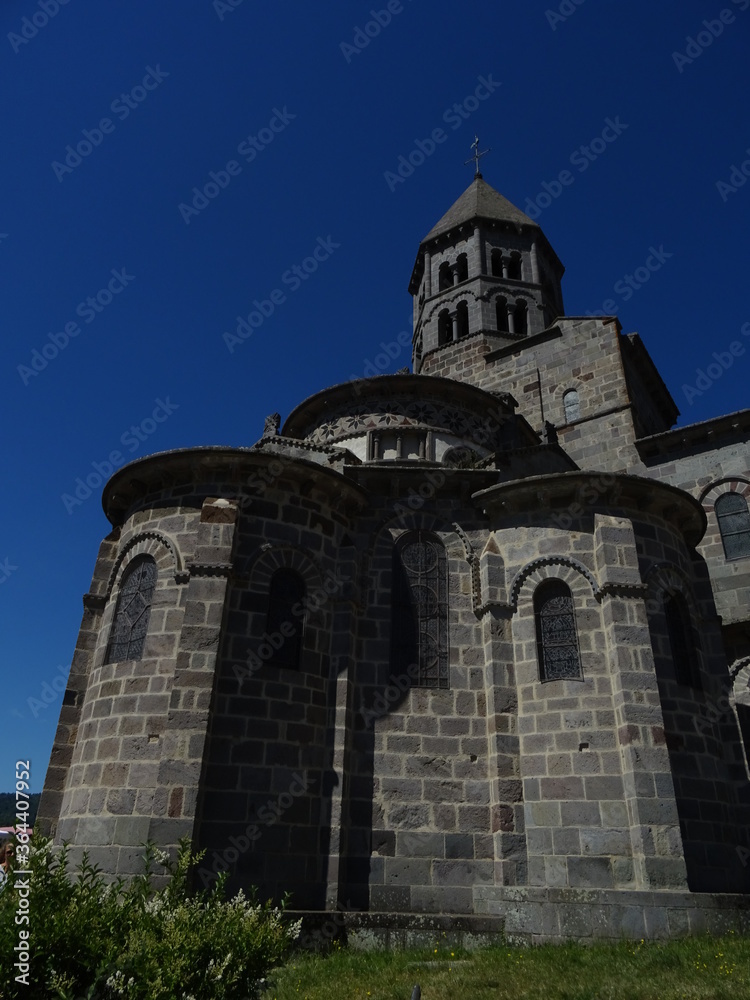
(477, 156)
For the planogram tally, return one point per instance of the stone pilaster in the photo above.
(342, 665)
(184, 739)
(649, 792)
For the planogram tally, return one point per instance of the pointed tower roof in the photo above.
(479, 200)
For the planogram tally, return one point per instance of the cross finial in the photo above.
(477, 156)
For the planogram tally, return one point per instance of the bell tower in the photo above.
(485, 276)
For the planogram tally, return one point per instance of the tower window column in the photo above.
(534, 264)
(479, 250)
(511, 318)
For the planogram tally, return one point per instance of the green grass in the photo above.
(705, 968)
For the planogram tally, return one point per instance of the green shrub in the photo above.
(105, 941)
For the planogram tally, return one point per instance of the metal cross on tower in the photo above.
(477, 156)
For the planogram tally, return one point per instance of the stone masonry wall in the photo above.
(420, 755)
(706, 470)
(267, 813)
(113, 776)
(596, 773)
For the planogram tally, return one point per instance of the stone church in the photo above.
(470, 640)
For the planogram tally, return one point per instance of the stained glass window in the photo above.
(419, 635)
(734, 524)
(557, 638)
(682, 641)
(133, 611)
(286, 618)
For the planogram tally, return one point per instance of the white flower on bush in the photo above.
(154, 905)
(119, 985)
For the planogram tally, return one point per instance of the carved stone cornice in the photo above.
(94, 602)
(209, 569)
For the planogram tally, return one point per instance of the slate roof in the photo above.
(480, 200)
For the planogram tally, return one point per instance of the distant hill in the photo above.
(8, 808)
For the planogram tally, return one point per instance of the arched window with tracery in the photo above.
(556, 633)
(133, 611)
(572, 406)
(286, 618)
(419, 620)
(683, 640)
(734, 524)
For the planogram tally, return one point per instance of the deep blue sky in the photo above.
(221, 75)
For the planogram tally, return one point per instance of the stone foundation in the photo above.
(524, 916)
